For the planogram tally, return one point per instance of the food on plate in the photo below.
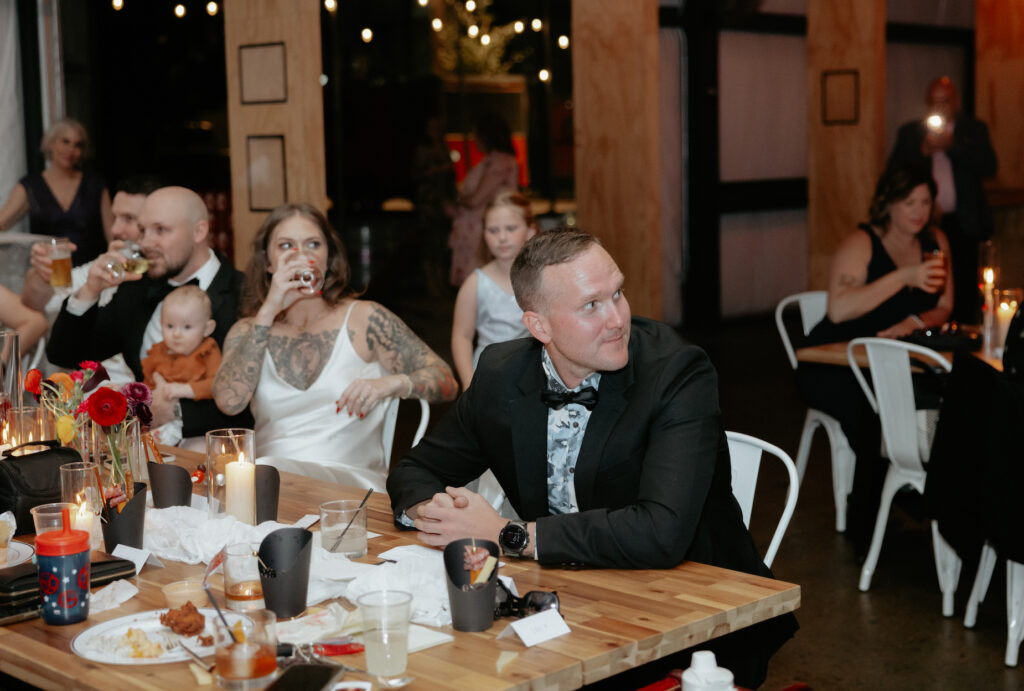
(135, 643)
(185, 620)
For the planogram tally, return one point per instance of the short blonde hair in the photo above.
(191, 293)
(55, 128)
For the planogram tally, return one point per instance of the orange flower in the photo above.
(65, 382)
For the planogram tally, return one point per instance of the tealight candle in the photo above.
(240, 490)
(1004, 315)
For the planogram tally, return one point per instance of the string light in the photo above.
(473, 31)
(563, 42)
(367, 35)
(436, 24)
(211, 8)
(179, 11)
(485, 39)
(519, 26)
(536, 25)
(330, 5)
(423, 3)
(117, 4)
(544, 75)
(470, 5)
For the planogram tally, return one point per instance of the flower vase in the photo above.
(117, 450)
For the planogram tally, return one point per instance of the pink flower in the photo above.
(77, 376)
(89, 365)
(136, 392)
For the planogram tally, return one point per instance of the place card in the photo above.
(537, 628)
(139, 557)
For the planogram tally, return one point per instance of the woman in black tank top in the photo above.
(885, 281)
(890, 277)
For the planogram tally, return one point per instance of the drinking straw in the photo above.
(220, 613)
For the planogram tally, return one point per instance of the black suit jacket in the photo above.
(119, 326)
(653, 479)
(972, 157)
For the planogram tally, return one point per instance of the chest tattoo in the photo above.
(299, 360)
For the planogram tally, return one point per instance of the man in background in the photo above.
(958, 150)
(175, 233)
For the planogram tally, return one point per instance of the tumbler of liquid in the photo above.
(60, 261)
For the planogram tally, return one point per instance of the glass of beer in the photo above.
(60, 262)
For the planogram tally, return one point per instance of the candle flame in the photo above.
(241, 457)
(990, 275)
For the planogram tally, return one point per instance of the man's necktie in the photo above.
(586, 397)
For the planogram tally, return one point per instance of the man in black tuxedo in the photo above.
(958, 151)
(175, 229)
(604, 433)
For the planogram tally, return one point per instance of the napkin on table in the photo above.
(115, 594)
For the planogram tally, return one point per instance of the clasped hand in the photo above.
(455, 514)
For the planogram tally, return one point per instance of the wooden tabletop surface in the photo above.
(835, 354)
(619, 618)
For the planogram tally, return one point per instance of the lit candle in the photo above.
(240, 490)
(988, 316)
(1004, 314)
(84, 518)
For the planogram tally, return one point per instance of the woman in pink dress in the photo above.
(496, 171)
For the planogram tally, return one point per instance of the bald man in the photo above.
(175, 233)
(957, 149)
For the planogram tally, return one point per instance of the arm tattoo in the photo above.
(239, 372)
(848, 281)
(300, 360)
(400, 351)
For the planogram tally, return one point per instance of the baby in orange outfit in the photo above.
(186, 361)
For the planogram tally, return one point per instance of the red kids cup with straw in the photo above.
(62, 557)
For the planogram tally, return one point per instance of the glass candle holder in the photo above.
(1006, 304)
(80, 485)
(231, 474)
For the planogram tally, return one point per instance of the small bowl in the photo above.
(180, 592)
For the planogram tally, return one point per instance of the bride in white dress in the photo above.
(317, 366)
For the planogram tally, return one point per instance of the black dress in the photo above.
(835, 391)
(82, 222)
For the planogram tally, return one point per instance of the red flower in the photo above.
(77, 376)
(89, 364)
(107, 407)
(33, 380)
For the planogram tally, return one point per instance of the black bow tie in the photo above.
(556, 400)
(158, 290)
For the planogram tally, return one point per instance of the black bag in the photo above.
(33, 479)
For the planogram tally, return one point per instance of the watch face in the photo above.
(513, 537)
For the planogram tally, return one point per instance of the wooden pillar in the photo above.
(846, 121)
(615, 95)
(999, 76)
(275, 111)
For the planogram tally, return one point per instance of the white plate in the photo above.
(18, 553)
(99, 643)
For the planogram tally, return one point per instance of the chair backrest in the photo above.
(891, 394)
(745, 454)
(391, 420)
(813, 305)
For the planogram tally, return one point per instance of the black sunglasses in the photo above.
(506, 604)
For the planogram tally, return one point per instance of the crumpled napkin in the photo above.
(420, 574)
(185, 534)
(112, 596)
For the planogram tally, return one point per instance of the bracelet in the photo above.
(408, 379)
(917, 320)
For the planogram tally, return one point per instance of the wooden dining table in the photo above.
(618, 618)
(835, 354)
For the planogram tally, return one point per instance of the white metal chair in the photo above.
(813, 305)
(391, 419)
(745, 455)
(1014, 600)
(893, 400)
